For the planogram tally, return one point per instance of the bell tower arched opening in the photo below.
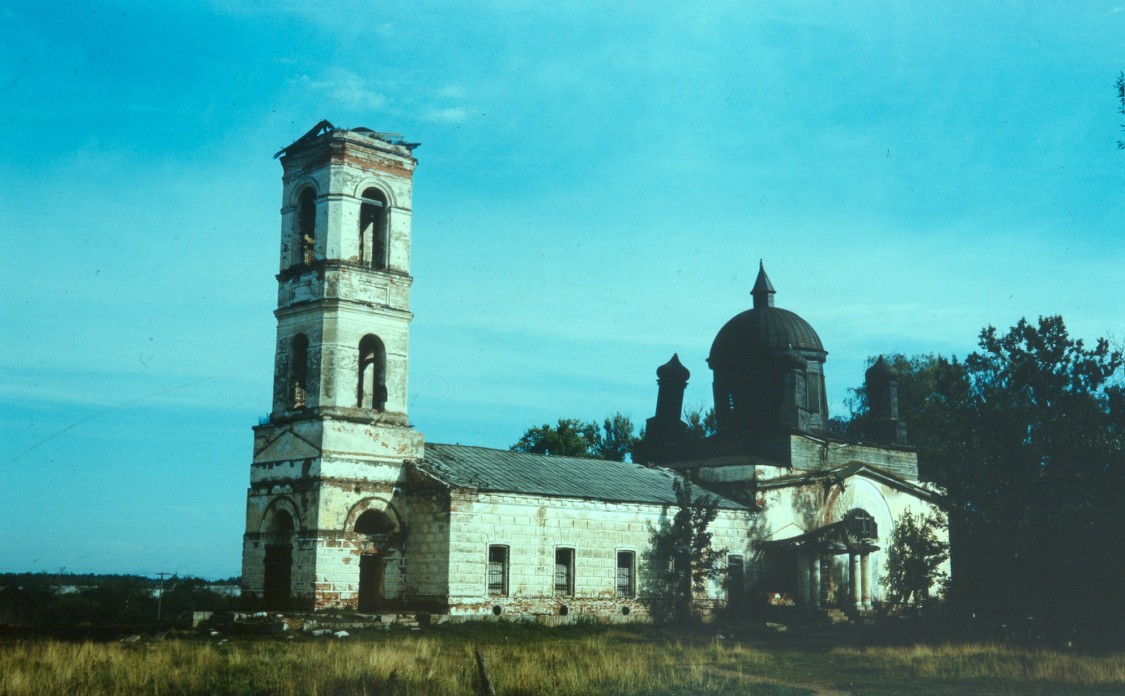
(298, 371)
(305, 228)
(373, 213)
(371, 391)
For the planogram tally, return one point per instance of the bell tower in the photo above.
(333, 446)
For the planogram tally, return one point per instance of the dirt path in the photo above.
(817, 689)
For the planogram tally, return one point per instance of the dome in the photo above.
(673, 370)
(881, 370)
(762, 329)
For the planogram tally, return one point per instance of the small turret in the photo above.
(882, 400)
(666, 426)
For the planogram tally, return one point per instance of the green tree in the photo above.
(616, 439)
(1027, 436)
(683, 549)
(700, 423)
(571, 437)
(1120, 85)
(915, 558)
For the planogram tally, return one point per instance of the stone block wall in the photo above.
(532, 528)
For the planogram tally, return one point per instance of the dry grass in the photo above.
(556, 662)
(407, 664)
(989, 661)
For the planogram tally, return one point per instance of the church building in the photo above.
(349, 507)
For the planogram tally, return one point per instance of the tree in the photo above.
(1027, 436)
(572, 437)
(700, 424)
(914, 558)
(616, 440)
(684, 548)
(1120, 85)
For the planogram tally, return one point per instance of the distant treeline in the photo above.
(86, 579)
(65, 599)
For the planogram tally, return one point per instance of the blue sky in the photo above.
(596, 186)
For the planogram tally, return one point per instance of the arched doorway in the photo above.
(377, 527)
(278, 580)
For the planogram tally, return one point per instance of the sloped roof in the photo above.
(839, 473)
(503, 471)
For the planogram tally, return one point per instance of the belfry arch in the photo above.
(371, 390)
(374, 225)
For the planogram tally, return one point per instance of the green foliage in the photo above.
(683, 550)
(1027, 436)
(700, 423)
(1120, 85)
(571, 437)
(915, 557)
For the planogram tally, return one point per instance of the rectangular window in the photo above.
(800, 389)
(498, 570)
(564, 571)
(813, 382)
(626, 573)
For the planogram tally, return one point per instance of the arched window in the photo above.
(860, 524)
(281, 523)
(373, 229)
(306, 226)
(371, 391)
(298, 371)
(374, 522)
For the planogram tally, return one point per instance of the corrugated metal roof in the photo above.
(503, 471)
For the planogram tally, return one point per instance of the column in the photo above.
(866, 580)
(853, 577)
(803, 594)
(814, 577)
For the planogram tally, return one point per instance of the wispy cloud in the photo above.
(346, 89)
(452, 114)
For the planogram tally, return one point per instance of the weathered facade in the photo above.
(348, 507)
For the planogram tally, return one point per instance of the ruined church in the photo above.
(350, 507)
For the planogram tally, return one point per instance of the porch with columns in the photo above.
(817, 587)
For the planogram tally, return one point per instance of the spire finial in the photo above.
(763, 291)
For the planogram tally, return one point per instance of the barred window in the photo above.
(626, 574)
(498, 570)
(564, 571)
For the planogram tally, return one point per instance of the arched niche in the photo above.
(281, 518)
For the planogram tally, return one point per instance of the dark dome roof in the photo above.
(762, 329)
(882, 370)
(673, 370)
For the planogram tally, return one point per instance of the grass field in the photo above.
(528, 659)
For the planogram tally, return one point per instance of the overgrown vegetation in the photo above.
(1027, 435)
(681, 552)
(915, 558)
(528, 659)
